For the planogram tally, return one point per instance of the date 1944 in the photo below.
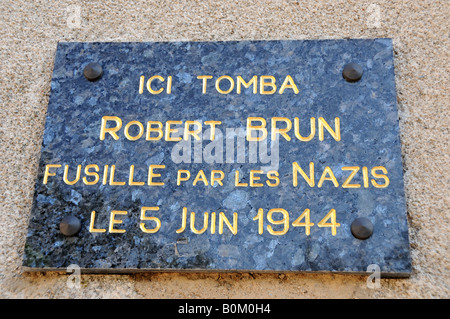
(278, 222)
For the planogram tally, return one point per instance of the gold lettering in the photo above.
(330, 216)
(284, 221)
(373, 171)
(130, 178)
(182, 179)
(236, 180)
(254, 178)
(365, 177)
(138, 136)
(47, 172)
(215, 179)
(354, 170)
(213, 128)
(105, 175)
(297, 169)
(233, 228)
(336, 134)
(141, 84)
(91, 225)
(77, 177)
(169, 85)
(113, 221)
(200, 176)
(282, 131)
(312, 122)
(145, 218)
(183, 221)
(151, 175)
(195, 132)
(288, 84)
(253, 82)
(263, 84)
(307, 223)
(251, 128)
(111, 130)
(328, 171)
(111, 177)
(149, 84)
(169, 130)
(271, 177)
(205, 78)
(260, 218)
(230, 79)
(205, 224)
(157, 129)
(213, 223)
(88, 173)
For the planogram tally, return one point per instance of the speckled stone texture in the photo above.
(369, 138)
(30, 31)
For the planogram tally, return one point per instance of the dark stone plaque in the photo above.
(221, 156)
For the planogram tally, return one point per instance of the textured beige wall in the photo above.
(30, 31)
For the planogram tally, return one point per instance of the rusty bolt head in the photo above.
(352, 72)
(93, 71)
(362, 228)
(69, 226)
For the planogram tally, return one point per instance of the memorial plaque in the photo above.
(221, 156)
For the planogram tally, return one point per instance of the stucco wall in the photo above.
(30, 31)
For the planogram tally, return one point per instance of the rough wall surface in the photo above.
(30, 31)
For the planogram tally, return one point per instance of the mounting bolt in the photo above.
(69, 226)
(362, 228)
(93, 71)
(352, 72)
